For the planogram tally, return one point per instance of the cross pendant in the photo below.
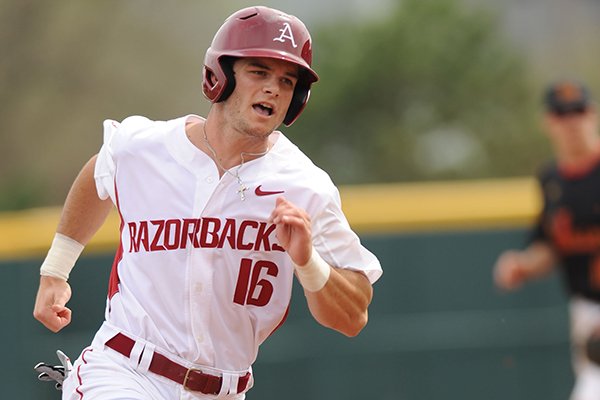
(241, 191)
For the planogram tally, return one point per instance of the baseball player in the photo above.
(217, 216)
(568, 231)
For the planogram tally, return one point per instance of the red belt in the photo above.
(190, 378)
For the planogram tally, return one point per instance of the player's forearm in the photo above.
(342, 304)
(83, 212)
(537, 260)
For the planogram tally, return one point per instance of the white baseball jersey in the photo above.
(199, 272)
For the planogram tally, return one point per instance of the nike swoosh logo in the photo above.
(259, 192)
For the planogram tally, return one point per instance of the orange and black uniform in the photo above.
(570, 222)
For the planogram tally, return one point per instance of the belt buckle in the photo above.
(187, 376)
(210, 384)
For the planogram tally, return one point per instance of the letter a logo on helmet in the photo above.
(286, 33)
(259, 32)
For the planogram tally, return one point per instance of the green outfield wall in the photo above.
(438, 328)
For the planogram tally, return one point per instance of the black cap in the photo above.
(566, 97)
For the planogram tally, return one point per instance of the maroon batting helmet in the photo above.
(259, 32)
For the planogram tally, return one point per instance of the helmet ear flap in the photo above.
(210, 80)
(299, 99)
(227, 68)
(218, 79)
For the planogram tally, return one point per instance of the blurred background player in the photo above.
(567, 234)
(218, 215)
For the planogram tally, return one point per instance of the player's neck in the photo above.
(227, 147)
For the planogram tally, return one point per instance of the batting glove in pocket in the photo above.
(56, 373)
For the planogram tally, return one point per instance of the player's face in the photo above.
(263, 92)
(574, 129)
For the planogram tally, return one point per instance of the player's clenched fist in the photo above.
(508, 271)
(49, 308)
(293, 230)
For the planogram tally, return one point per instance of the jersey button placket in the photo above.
(200, 268)
(206, 179)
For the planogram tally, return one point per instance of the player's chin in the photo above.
(263, 128)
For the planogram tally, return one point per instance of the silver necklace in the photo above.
(236, 174)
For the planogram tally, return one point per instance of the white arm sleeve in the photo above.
(339, 245)
(104, 173)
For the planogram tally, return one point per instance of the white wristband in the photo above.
(61, 257)
(314, 274)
